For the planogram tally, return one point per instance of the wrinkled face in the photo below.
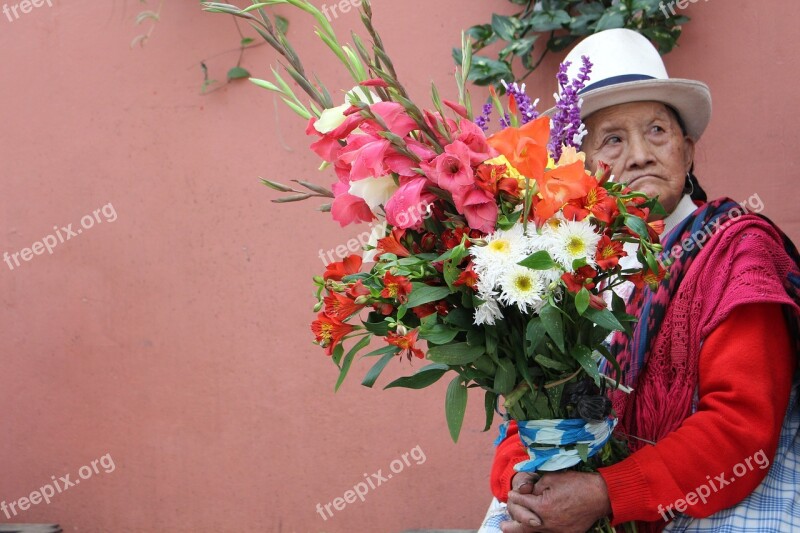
(644, 144)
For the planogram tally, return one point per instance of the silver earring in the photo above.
(689, 184)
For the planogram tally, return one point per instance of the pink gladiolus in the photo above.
(404, 166)
(366, 156)
(393, 115)
(480, 209)
(458, 108)
(408, 205)
(473, 137)
(452, 169)
(347, 208)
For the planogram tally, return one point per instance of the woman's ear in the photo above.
(688, 152)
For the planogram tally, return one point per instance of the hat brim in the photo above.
(690, 98)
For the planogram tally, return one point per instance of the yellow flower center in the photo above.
(523, 283)
(500, 246)
(576, 246)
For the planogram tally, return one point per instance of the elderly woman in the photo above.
(713, 418)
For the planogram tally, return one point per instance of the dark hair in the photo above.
(692, 183)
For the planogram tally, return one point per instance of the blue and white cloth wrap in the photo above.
(546, 439)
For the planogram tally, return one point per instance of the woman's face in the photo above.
(643, 143)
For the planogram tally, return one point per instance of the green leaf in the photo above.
(636, 225)
(603, 318)
(424, 377)
(540, 260)
(459, 353)
(583, 355)
(338, 352)
(245, 41)
(610, 20)
(505, 27)
(460, 318)
(348, 359)
(486, 71)
(423, 294)
(377, 368)
(455, 405)
(551, 363)
(438, 334)
(535, 334)
(384, 350)
(238, 73)
(489, 401)
(550, 20)
(282, 23)
(553, 324)
(377, 328)
(583, 451)
(582, 300)
(505, 377)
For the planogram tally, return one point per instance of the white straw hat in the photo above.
(628, 68)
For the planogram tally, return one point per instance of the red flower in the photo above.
(452, 237)
(329, 331)
(468, 278)
(424, 310)
(406, 343)
(609, 253)
(597, 203)
(391, 244)
(357, 289)
(397, 287)
(340, 307)
(651, 278)
(577, 280)
(336, 271)
(383, 308)
(596, 301)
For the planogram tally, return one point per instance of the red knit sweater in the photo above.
(745, 377)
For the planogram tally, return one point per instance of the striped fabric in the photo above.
(546, 441)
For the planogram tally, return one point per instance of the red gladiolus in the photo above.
(397, 287)
(340, 307)
(336, 271)
(374, 82)
(329, 331)
(406, 343)
(575, 281)
(609, 253)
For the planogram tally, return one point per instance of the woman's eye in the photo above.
(658, 129)
(613, 140)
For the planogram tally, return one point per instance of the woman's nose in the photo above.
(639, 153)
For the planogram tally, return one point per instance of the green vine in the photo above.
(544, 26)
(236, 72)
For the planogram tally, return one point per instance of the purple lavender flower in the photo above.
(567, 129)
(527, 109)
(483, 120)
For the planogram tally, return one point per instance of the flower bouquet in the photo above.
(496, 256)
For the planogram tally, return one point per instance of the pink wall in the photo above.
(175, 337)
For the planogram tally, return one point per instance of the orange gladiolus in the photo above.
(525, 147)
(559, 186)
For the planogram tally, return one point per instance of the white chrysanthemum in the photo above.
(572, 240)
(503, 249)
(523, 287)
(487, 312)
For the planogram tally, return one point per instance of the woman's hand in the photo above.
(561, 502)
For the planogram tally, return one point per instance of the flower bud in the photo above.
(361, 300)
(401, 329)
(319, 280)
(318, 307)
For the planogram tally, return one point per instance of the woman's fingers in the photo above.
(520, 507)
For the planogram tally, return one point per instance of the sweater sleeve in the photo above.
(721, 453)
(508, 453)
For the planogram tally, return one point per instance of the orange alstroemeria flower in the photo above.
(559, 186)
(525, 147)
(406, 343)
(340, 307)
(329, 331)
(350, 265)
